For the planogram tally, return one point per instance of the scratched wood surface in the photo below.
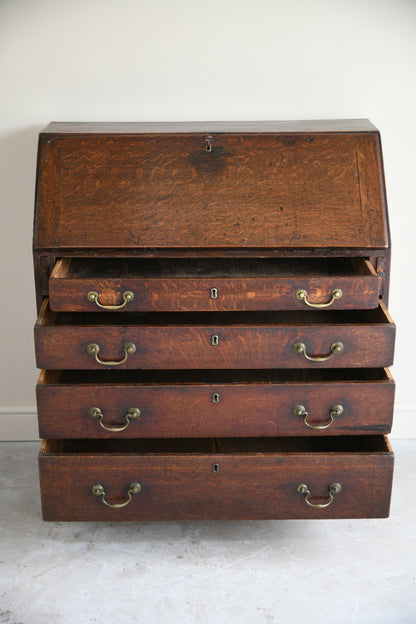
(185, 340)
(179, 482)
(181, 285)
(259, 403)
(251, 190)
(165, 210)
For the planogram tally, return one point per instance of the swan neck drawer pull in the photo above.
(132, 414)
(133, 488)
(300, 410)
(93, 349)
(302, 295)
(333, 488)
(127, 297)
(300, 348)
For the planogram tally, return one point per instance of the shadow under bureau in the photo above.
(213, 326)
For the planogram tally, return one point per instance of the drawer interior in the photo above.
(154, 268)
(186, 377)
(319, 317)
(345, 444)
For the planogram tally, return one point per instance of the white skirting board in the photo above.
(20, 423)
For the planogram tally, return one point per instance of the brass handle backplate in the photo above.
(132, 414)
(333, 488)
(300, 410)
(302, 295)
(93, 349)
(300, 348)
(127, 297)
(133, 488)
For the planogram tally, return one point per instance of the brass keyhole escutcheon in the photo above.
(215, 468)
(215, 340)
(215, 397)
(214, 293)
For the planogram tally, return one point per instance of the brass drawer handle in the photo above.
(300, 348)
(336, 410)
(302, 295)
(94, 349)
(333, 488)
(132, 414)
(127, 297)
(98, 490)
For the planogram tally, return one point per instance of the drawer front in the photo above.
(128, 285)
(202, 486)
(220, 346)
(268, 407)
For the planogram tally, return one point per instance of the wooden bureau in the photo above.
(212, 327)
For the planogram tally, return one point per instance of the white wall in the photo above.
(198, 60)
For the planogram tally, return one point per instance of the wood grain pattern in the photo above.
(248, 485)
(182, 405)
(185, 285)
(253, 190)
(268, 209)
(245, 340)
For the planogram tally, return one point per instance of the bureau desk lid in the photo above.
(270, 186)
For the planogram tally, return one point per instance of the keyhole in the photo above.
(208, 144)
(214, 293)
(215, 397)
(216, 468)
(215, 340)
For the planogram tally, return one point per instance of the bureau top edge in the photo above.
(286, 126)
(267, 126)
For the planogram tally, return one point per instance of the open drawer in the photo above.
(198, 284)
(151, 404)
(225, 479)
(214, 340)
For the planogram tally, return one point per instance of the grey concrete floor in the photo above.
(357, 571)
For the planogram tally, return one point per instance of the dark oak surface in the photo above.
(185, 285)
(252, 190)
(179, 481)
(245, 339)
(250, 403)
(262, 209)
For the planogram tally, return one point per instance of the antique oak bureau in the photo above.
(212, 322)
